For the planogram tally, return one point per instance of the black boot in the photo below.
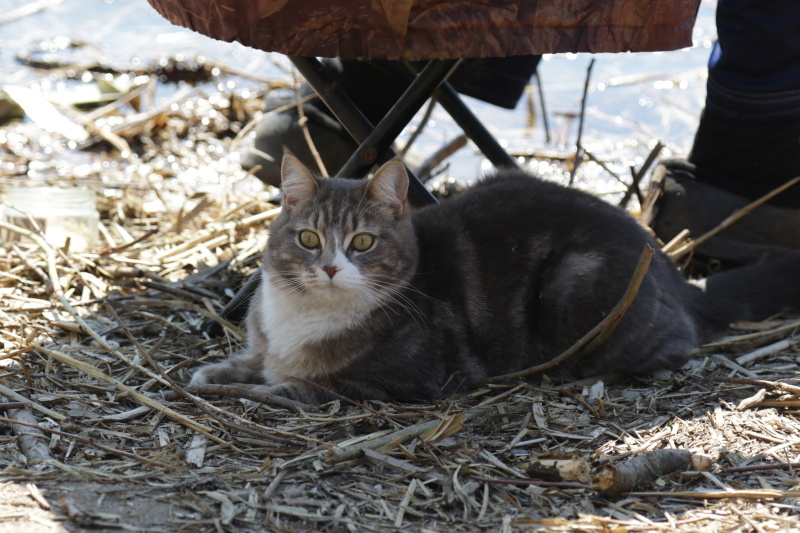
(731, 164)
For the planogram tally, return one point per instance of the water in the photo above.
(634, 99)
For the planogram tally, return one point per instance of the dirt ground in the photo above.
(294, 477)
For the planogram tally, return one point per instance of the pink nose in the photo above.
(331, 270)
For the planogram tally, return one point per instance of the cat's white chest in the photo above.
(292, 321)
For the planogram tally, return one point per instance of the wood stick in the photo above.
(338, 455)
(30, 441)
(427, 167)
(598, 334)
(637, 175)
(96, 373)
(418, 131)
(578, 146)
(302, 121)
(88, 442)
(774, 385)
(766, 351)
(535, 482)
(751, 494)
(5, 391)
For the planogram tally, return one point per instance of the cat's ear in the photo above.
(297, 182)
(389, 186)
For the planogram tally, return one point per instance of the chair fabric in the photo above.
(438, 29)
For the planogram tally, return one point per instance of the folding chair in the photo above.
(440, 31)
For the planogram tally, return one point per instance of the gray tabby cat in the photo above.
(365, 298)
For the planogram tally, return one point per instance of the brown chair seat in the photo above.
(438, 29)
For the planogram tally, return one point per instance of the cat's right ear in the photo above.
(297, 182)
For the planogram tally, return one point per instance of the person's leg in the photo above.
(748, 140)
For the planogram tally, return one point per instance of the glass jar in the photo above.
(60, 214)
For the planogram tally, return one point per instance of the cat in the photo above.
(360, 297)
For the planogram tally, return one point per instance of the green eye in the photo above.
(309, 239)
(362, 242)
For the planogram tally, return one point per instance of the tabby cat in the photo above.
(364, 298)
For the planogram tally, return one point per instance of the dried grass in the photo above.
(97, 345)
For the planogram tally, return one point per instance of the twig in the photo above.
(125, 246)
(14, 405)
(645, 468)
(29, 8)
(5, 391)
(88, 442)
(425, 170)
(636, 176)
(602, 164)
(302, 121)
(422, 123)
(751, 494)
(766, 351)
(733, 218)
(598, 334)
(338, 455)
(676, 241)
(578, 146)
(30, 442)
(758, 468)
(545, 120)
(348, 400)
(253, 123)
(535, 482)
(273, 485)
(774, 385)
(96, 373)
(35, 268)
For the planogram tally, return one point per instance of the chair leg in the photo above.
(473, 128)
(373, 149)
(351, 118)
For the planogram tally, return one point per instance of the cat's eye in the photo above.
(362, 242)
(309, 239)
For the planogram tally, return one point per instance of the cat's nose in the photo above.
(331, 270)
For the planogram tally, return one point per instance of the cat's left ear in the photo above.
(389, 186)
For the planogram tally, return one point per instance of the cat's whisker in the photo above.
(405, 284)
(401, 301)
(395, 290)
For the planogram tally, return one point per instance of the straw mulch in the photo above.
(99, 434)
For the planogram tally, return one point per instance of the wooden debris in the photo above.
(558, 466)
(643, 469)
(30, 438)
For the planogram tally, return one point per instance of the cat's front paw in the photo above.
(218, 373)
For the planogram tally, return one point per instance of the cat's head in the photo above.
(342, 240)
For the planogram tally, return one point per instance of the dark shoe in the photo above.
(678, 201)
(274, 133)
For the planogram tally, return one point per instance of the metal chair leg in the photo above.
(473, 128)
(351, 118)
(375, 146)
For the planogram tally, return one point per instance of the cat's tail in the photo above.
(752, 292)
